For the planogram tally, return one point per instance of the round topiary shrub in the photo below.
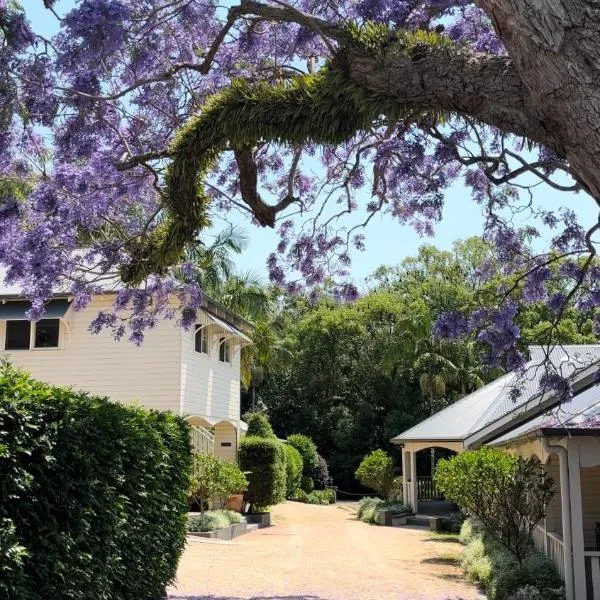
(258, 425)
(293, 469)
(308, 451)
(376, 471)
(263, 459)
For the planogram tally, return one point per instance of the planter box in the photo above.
(261, 519)
(227, 533)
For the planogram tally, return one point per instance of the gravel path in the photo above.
(322, 553)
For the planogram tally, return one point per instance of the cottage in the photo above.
(564, 436)
(193, 373)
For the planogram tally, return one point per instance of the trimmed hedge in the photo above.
(308, 451)
(264, 461)
(293, 469)
(316, 497)
(93, 499)
(258, 425)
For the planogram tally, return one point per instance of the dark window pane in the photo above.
(224, 351)
(46, 333)
(17, 335)
(201, 342)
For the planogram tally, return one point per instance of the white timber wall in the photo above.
(554, 514)
(590, 499)
(148, 374)
(209, 387)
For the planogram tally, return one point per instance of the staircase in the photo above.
(203, 441)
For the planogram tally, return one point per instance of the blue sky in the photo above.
(387, 242)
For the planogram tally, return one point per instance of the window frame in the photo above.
(203, 331)
(225, 344)
(32, 336)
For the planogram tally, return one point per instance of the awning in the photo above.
(229, 328)
(15, 310)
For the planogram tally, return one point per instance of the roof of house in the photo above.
(13, 292)
(579, 416)
(495, 404)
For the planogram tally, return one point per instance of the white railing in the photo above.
(551, 544)
(203, 441)
(592, 562)
(556, 552)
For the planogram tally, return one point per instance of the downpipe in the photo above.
(565, 499)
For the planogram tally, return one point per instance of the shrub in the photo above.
(376, 472)
(315, 497)
(299, 496)
(320, 473)
(307, 484)
(452, 523)
(493, 566)
(507, 494)
(367, 509)
(213, 519)
(308, 451)
(293, 469)
(258, 425)
(529, 592)
(215, 479)
(93, 500)
(264, 459)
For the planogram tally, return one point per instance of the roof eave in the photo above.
(581, 381)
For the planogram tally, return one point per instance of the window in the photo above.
(201, 342)
(18, 335)
(225, 351)
(46, 333)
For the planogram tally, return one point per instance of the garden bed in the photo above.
(219, 524)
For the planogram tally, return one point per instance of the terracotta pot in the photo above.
(235, 503)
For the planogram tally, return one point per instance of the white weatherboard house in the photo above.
(192, 373)
(564, 436)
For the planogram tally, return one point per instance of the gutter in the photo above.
(565, 499)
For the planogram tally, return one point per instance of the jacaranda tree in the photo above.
(123, 133)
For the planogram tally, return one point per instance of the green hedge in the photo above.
(293, 469)
(93, 498)
(264, 461)
(308, 451)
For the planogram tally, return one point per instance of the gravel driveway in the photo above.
(322, 553)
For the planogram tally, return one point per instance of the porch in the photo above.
(220, 438)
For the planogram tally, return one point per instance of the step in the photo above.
(420, 521)
(251, 527)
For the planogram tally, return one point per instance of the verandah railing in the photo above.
(203, 441)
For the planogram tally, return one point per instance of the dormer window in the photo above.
(225, 350)
(201, 341)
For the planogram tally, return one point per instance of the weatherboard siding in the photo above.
(148, 374)
(208, 386)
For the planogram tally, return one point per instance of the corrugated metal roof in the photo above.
(494, 401)
(582, 412)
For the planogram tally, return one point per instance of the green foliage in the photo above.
(527, 592)
(264, 459)
(369, 507)
(507, 494)
(307, 449)
(258, 425)
(215, 479)
(315, 497)
(376, 471)
(453, 522)
(212, 520)
(93, 500)
(490, 564)
(307, 484)
(293, 469)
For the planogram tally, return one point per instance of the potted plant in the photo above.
(233, 486)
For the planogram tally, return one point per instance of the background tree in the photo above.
(158, 116)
